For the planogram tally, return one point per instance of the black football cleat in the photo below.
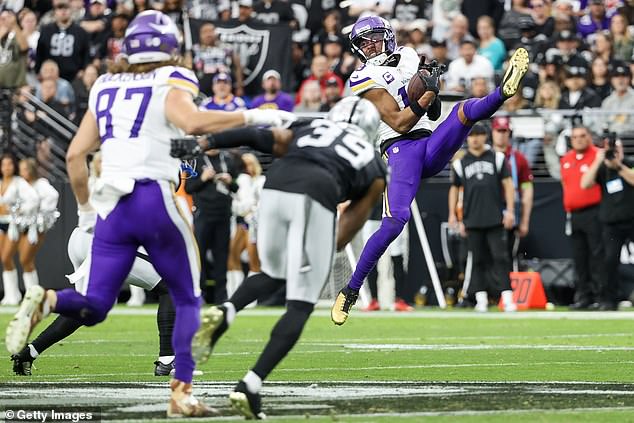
(246, 403)
(163, 369)
(22, 362)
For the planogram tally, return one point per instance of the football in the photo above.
(417, 87)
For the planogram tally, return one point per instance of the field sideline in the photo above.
(432, 365)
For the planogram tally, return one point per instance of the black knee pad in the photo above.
(93, 315)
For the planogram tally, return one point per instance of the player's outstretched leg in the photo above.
(61, 328)
(245, 397)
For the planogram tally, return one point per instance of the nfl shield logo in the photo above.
(252, 45)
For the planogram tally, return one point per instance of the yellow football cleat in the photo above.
(518, 66)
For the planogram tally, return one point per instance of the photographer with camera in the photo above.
(615, 174)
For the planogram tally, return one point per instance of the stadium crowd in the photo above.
(581, 57)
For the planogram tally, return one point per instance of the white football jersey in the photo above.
(394, 79)
(134, 130)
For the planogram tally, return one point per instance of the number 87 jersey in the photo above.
(393, 76)
(135, 133)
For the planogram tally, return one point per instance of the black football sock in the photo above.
(253, 288)
(372, 278)
(283, 337)
(165, 316)
(399, 276)
(61, 328)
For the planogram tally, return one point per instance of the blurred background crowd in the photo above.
(581, 51)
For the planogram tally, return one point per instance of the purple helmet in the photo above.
(364, 30)
(151, 37)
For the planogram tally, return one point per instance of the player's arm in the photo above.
(508, 219)
(527, 207)
(86, 141)
(588, 179)
(402, 121)
(355, 215)
(272, 141)
(181, 111)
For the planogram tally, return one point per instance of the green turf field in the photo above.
(432, 365)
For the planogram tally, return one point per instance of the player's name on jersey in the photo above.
(127, 76)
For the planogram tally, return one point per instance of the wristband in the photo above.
(417, 109)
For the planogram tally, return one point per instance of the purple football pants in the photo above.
(411, 160)
(146, 217)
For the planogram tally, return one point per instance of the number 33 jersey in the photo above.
(328, 163)
(394, 77)
(134, 131)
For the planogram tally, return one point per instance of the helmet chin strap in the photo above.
(378, 60)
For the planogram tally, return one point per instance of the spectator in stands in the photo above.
(65, 42)
(541, 14)
(621, 99)
(173, 9)
(614, 173)
(551, 66)
(627, 10)
(28, 22)
(114, 44)
(64, 90)
(97, 25)
(508, 27)
(480, 87)
(522, 178)
(600, 78)
(331, 29)
(567, 44)
(474, 10)
(274, 12)
(467, 67)
(564, 15)
(371, 7)
(548, 95)
(341, 62)
(407, 11)
(459, 32)
(77, 10)
(491, 47)
(439, 52)
(623, 45)
(81, 87)
(140, 6)
(597, 19)
(48, 91)
(417, 31)
(273, 97)
(603, 46)
(211, 190)
(582, 217)
(301, 66)
(13, 51)
(331, 95)
(245, 12)
(209, 58)
(320, 73)
(310, 95)
(222, 98)
(577, 95)
(442, 14)
(488, 204)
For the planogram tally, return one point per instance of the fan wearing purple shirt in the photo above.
(273, 97)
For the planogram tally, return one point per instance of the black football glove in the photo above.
(185, 148)
(432, 82)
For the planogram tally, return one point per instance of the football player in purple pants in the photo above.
(134, 111)
(412, 149)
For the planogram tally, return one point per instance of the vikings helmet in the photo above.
(358, 112)
(366, 29)
(151, 37)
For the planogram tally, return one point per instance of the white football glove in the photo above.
(277, 118)
(87, 217)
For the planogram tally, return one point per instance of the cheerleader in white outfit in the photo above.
(18, 199)
(34, 228)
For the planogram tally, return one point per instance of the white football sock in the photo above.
(231, 311)
(137, 296)
(30, 279)
(482, 297)
(12, 295)
(253, 382)
(166, 359)
(32, 351)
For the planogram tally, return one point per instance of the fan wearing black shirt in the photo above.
(488, 187)
(324, 162)
(615, 173)
(63, 41)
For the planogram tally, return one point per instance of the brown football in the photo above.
(417, 87)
